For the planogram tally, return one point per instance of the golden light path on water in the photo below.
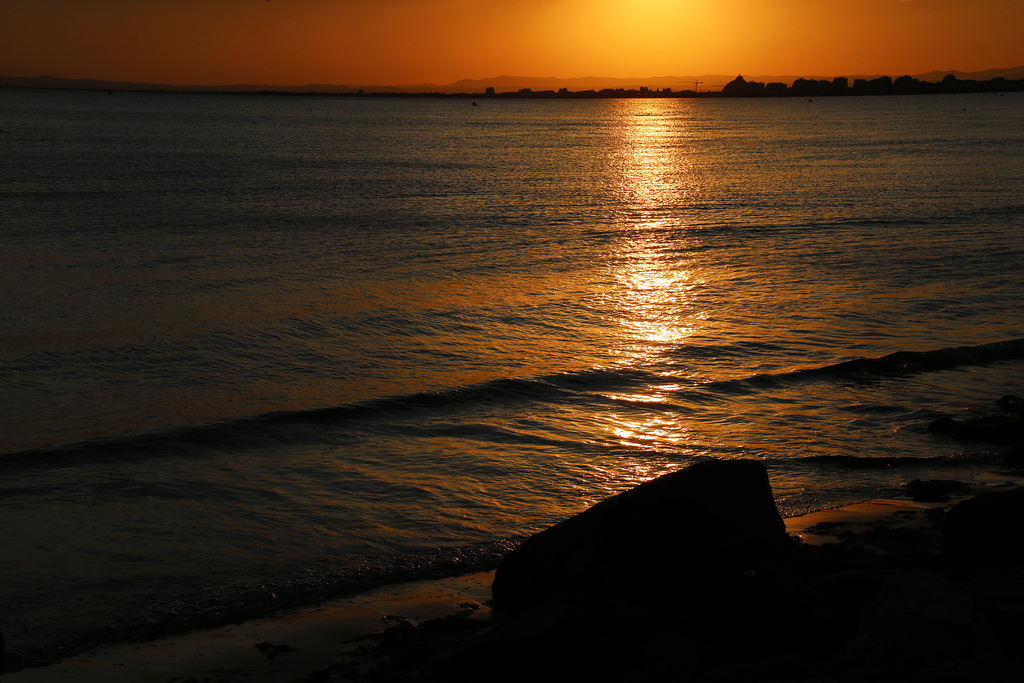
(650, 174)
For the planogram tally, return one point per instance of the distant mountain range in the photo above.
(706, 82)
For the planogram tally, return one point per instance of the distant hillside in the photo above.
(92, 84)
(705, 82)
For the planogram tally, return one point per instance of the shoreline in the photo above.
(286, 646)
(344, 639)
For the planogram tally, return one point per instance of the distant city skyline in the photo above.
(410, 42)
(987, 80)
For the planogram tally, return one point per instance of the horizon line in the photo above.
(463, 82)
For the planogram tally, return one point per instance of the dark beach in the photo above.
(445, 630)
(925, 588)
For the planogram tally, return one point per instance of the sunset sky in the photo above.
(405, 42)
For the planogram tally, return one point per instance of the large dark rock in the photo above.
(934, 490)
(984, 532)
(684, 533)
(917, 618)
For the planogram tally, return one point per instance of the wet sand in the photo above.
(285, 647)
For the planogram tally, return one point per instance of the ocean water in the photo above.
(259, 351)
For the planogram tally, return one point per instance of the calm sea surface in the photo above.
(258, 351)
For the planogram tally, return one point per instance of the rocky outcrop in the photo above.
(985, 531)
(669, 582)
(706, 523)
(916, 619)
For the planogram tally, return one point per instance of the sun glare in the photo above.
(400, 42)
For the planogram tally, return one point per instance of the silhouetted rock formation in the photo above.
(934, 489)
(985, 531)
(915, 621)
(665, 595)
(712, 521)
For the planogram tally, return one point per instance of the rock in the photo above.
(918, 621)
(683, 532)
(1011, 404)
(1007, 429)
(918, 594)
(999, 428)
(1014, 458)
(932, 490)
(985, 531)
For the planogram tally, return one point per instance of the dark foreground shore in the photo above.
(887, 590)
(868, 592)
(690, 577)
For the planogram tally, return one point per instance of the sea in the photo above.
(261, 351)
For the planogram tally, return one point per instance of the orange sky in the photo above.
(405, 42)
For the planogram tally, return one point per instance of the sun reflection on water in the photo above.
(654, 279)
(651, 178)
(652, 432)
